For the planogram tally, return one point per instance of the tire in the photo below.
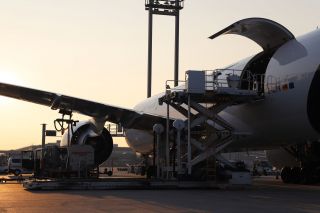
(17, 172)
(286, 174)
(109, 173)
(151, 172)
(143, 171)
(296, 175)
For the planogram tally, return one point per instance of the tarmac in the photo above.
(265, 195)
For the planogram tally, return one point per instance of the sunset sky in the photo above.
(97, 50)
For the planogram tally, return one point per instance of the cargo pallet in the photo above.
(238, 180)
(117, 183)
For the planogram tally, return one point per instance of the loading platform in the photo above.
(193, 145)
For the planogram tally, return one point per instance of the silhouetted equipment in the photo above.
(52, 133)
(73, 161)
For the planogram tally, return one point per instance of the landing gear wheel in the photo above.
(296, 175)
(151, 171)
(17, 172)
(109, 173)
(286, 174)
(143, 171)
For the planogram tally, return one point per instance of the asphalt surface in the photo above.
(266, 195)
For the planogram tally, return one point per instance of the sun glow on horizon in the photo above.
(8, 77)
(87, 49)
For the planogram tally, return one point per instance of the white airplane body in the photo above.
(287, 115)
(278, 120)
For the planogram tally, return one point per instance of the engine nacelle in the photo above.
(84, 133)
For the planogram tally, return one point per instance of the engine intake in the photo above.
(83, 133)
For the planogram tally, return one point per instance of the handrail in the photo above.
(169, 89)
(239, 78)
(226, 78)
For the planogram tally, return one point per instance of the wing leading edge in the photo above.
(128, 118)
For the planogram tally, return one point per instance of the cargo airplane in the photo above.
(286, 120)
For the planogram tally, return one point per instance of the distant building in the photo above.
(247, 157)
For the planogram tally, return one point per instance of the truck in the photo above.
(262, 167)
(20, 163)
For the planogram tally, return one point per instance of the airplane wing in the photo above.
(126, 117)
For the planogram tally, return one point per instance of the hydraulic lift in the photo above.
(198, 140)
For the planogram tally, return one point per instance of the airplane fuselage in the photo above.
(285, 116)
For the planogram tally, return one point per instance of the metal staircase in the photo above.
(205, 94)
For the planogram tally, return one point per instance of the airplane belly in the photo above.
(139, 140)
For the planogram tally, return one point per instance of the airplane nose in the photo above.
(313, 104)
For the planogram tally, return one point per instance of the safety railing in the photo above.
(229, 78)
(240, 79)
(219, 78)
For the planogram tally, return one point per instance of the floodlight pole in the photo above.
(176, 49)
(150, 51)
(169, 8)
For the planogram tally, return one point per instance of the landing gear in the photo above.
(309, 156)
(299, 175)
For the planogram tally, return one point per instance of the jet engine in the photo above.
(84, 133)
